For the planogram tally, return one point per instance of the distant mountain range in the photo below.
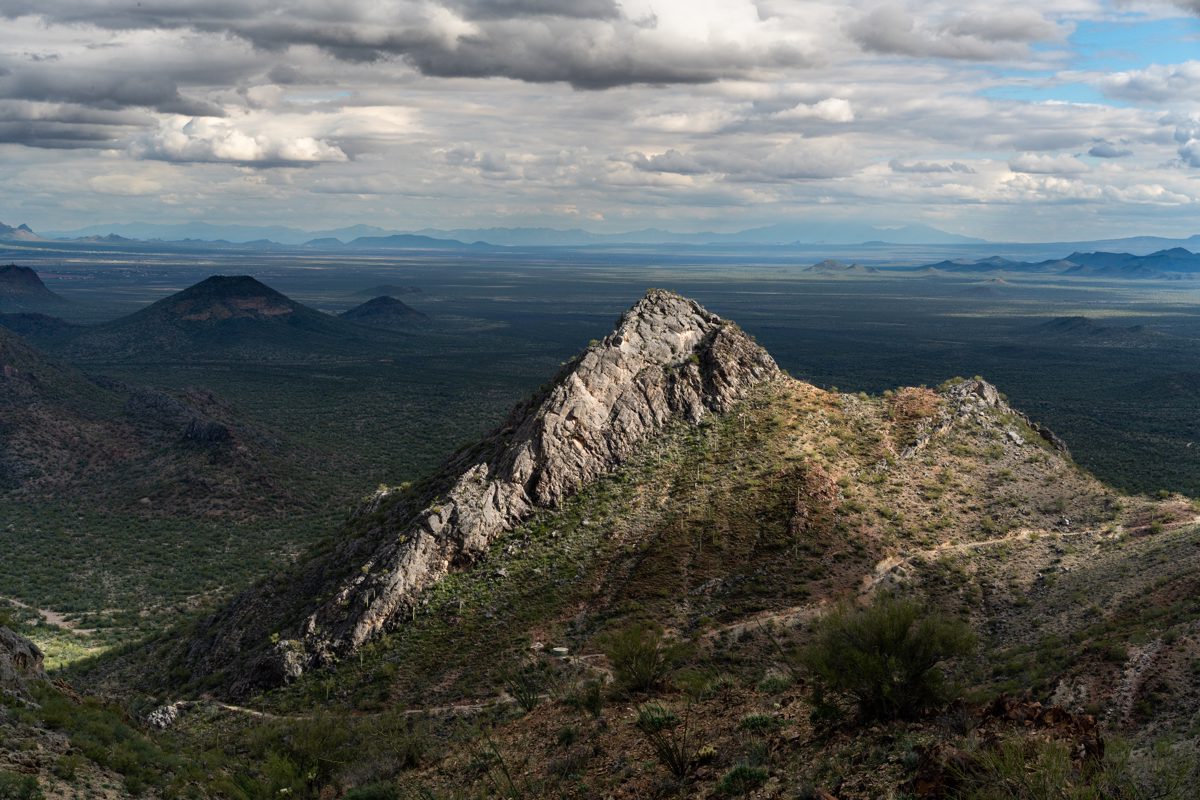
(370, 236)
(1174, 264)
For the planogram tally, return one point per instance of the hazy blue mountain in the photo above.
(21, 232)
(1175, 263)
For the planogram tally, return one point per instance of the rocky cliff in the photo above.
(668, 359)
(20, 663)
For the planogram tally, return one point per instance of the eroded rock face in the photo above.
(20, 662)
(669, 359)
(971, 399)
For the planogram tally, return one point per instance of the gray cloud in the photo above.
(588, 44)
(60, 127)
(897, 165)
(800, 161)
(894, 30)
(1109, 150)
(1157, 83)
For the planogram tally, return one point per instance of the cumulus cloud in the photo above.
(592, 44)
(1104, 149)
(831, 109)
(896, 165)
(1158, 83)
(1044, 164)
(977, 36)
(205, 140)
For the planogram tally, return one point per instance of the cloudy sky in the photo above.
(1058, 119)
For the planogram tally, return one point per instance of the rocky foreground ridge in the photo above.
(668, 359)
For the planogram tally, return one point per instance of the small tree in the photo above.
(641, 657)
(886, 658)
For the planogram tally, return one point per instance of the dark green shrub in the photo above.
(742, 780)
(587, 697)
(641, 657)
(885, 658)
(374, 791)
(19, 787)
(761, 723)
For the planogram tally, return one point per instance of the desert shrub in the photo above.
(586, 697)
(641, 657)
(374, 791)
(1030, 769)
(528, 683)
(775, 682)
(760, 723)
(673, 740)
(19, 787)
(742, 780)
(886, 658)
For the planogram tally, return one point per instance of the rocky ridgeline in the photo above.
(974, 400)
(668, 359)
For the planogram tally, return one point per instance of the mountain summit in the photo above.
(220, 316)
(384, 312)
(668, 359)
(21, 289)
(226, 297)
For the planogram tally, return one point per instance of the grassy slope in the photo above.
(758, 521)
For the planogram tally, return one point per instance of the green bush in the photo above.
(19, 787)
(885, 658)
(374, 791)
(742, 780)
(1029, 769)
(641, 657)
(588, 696)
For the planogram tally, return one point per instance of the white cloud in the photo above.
(206, 140)
(831, 109)
(1043, 164)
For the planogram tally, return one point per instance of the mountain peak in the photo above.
(668, 360)
(223, 297)
(383, 311)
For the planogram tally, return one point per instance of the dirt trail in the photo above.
(52, 618)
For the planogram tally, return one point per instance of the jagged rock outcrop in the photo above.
(668, 359)
(971, 399)
(20, 662)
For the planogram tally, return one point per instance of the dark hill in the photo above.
(39, 328)
(21, 289)
(220, 317)
(66, 437)
(385, 312)
(1087, 331)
